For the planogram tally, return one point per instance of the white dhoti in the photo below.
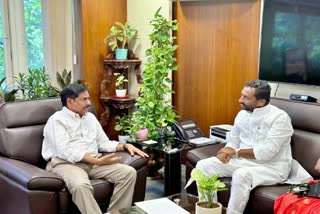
(246, 175)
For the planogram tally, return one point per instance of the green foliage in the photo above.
(121, 79)
(153, 107)
(34, 35)
(64, 78)
(2, 59)
(35, 85)
(119, 35)
(6, 92)
(123, 123)
(207, 185)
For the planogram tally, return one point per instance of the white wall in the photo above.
(139, 14)
(284, 90)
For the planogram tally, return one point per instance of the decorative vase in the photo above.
(142, 134)
(121, 53)
(121, 92)
(203, 210)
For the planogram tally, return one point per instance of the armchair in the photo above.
(25, 186)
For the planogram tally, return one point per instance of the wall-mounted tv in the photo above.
(290, 41)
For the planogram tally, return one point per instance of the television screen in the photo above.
(290, 41)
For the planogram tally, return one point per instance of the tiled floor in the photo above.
(155, 188)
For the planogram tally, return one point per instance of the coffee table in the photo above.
(172, 160)
(184, 200)
(172, 149)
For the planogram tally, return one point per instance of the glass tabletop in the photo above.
(168, 145)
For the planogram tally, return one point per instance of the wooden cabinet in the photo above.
(107, 94)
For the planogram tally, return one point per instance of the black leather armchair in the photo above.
(25, 185)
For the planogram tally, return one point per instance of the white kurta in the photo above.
(268, 132)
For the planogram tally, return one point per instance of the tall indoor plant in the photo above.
(154, 108)
(118, 38)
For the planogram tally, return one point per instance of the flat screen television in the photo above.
(290, 42)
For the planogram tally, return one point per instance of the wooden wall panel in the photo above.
(218, 52)
(97, 18)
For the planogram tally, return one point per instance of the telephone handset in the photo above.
(187, 130)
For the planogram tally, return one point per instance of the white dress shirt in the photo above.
(266, 130)
(70, 137)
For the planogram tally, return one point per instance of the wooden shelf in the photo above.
(111, 102)
(118, 103)
(112, 64)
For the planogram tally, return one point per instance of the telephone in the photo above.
(188, 132)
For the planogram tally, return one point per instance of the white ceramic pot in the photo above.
(203, 210)
(123, 138)
(121, 92)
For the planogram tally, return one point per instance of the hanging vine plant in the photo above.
(154, 108)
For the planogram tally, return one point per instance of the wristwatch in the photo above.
(236, 153)
(124, 147)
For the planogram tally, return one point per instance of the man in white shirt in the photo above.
(258, 151)
(72, 141)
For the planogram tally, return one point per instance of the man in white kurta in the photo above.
(73, 138)
(258, 151)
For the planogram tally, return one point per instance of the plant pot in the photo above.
(142, 134)
(201, 209)
(121, 53)
(121, 92)
(123, 138)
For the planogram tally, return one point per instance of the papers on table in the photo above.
(149, 142)
(160, 206)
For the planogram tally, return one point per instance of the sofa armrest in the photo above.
(194, 155)
(29, 176)
(136, 161)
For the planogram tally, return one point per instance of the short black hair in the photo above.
(71, 91)
(263, 89)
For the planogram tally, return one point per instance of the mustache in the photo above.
(243, 104)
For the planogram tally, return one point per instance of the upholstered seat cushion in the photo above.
(30, 176)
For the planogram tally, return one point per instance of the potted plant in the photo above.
(35, 84)
(7, 94)
(208, 186)
(123, 125)
(118, 38)
(64, 78)
(120, 80)
(154, 106)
